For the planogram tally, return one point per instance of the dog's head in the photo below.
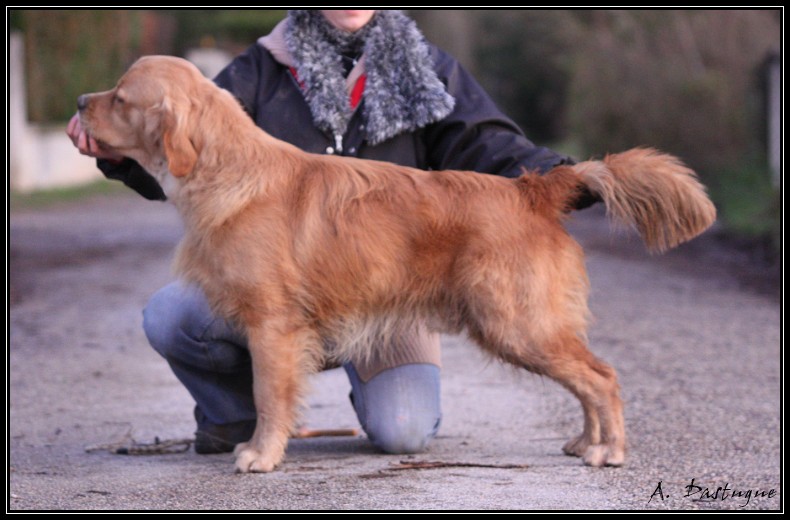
(146, 115)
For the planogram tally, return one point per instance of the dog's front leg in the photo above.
(281, 361)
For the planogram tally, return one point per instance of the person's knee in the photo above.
(158, 328)
(401, 411)
(403, 434)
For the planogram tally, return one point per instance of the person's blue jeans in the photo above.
(399, 408)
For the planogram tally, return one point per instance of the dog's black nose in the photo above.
(82, 102)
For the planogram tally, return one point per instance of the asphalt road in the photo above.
(694, 335)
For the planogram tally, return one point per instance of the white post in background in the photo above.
(18, 138)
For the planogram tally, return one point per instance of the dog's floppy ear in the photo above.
(179, 149)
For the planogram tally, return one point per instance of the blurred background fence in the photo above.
(701, 84)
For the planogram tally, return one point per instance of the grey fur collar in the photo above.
(402, 91)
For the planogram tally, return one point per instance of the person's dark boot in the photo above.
(220, 438)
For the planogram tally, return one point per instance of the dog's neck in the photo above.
(230, 148)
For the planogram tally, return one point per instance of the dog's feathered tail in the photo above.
(649, 190)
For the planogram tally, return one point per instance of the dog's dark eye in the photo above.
(118, 99)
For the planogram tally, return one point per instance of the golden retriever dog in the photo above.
(306, 250)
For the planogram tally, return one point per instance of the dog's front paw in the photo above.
(250, 460)
(598, 455)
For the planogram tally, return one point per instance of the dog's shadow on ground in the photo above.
(302, 455)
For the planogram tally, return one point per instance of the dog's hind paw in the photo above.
(577, 446)
(250, 460)
(598, 455)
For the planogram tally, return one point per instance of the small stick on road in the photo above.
(404, 464)
(306, 433)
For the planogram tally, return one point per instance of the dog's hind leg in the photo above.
(282, 357)
(534, 316)
(594, 383)
(591, 434)
(567, 360)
